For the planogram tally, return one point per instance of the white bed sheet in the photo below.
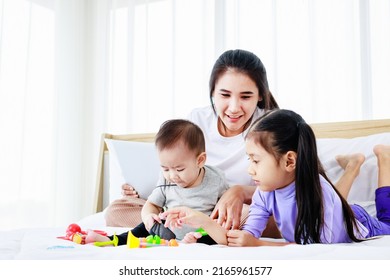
(43, 244)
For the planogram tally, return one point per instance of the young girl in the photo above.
(293, 187)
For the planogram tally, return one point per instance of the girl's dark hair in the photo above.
(175, 130)
(249, 64)
(280, 131)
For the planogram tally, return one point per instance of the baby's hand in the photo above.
(191, 237)
(150, 220)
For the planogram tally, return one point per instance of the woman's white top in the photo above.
(226, 153)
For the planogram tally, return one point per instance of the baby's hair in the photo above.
(173, 131)
(280, 131)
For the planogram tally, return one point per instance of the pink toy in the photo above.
(75, 234)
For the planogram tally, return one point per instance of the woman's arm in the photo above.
(229, 207)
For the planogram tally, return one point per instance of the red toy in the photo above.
(75, 234)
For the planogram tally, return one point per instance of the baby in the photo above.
(186, 181)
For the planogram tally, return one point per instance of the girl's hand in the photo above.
(176, 217)
(240, 238)
(129, 191)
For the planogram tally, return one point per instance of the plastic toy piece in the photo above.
(113, 242)
(202, 231)
(75, 234)
(150, 241)
(78, 238)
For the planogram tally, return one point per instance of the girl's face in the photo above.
(235, 100)
(268, 173)
(181, 166)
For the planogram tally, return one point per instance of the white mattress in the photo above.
(43, 244)
(37, 252)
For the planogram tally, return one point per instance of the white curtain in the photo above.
(51, 116)
(73, 69)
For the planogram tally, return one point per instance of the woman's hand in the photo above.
(176, 217)
(129, 191)
(229, 207)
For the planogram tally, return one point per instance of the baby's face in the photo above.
(180, 165)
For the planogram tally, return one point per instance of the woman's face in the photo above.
(235, 99)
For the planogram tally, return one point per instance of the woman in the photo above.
(239, 94)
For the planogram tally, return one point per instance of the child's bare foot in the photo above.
(382, 152)
(93, 236)
(351, 162)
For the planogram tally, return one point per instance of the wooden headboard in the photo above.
(348, 129)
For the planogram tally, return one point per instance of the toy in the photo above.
(202, 231)
(149, 241)
(113, 242)
(75, 234)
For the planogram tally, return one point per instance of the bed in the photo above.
(333, 138)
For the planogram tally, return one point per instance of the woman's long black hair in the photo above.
(249, 64)
(280, 131)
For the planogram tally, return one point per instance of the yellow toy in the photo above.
(113, 242)
(150, 241)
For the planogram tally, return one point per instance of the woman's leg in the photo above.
(351, 165)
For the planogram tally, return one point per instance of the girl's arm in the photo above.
(216, 232)
(176, 217)
(240, 238)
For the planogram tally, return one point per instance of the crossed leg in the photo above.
(382, 153)
(351, 165)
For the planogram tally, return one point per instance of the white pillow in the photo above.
(135, 163)
(365, 184)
